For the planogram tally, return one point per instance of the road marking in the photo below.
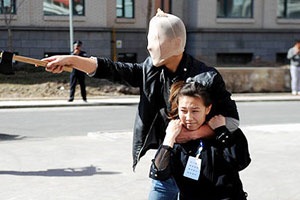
(110, 135)
(273, 127)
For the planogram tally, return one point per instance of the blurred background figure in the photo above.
(77, 75)
(294, 56)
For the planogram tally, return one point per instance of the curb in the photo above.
(122, 101)
(63, 103)
(265, 99)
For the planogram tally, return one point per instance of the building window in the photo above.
(127, 57)
(7, 6)
(125, 8)
(61, 7)
(281, 58)
(234, 58)
(235, 8)
(288, 9)
(164, 5)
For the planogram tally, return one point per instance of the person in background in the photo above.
(294, 56)
(167, 64)
(77, 75)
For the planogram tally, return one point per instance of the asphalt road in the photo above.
(79, 121)
(66, 121)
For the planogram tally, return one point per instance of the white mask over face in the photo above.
(166, 37)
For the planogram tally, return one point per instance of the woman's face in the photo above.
(192, 112)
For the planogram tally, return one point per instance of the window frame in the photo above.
(14, 7)
(83, 12)
(285, 11)
(126, 57)
(123, 10)
(234, 58)
(240, 17)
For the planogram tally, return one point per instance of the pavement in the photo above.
(98, 166)
(128, 100)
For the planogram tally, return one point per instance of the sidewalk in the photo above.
(57, 102)
(130, 100)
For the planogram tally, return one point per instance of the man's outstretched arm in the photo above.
(129, 73)
(56, 63)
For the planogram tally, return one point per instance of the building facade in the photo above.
(220, 32)
(240, 31)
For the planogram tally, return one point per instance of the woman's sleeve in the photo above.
(160, 167)
(234, 147)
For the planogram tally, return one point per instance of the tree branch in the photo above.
(10, 14)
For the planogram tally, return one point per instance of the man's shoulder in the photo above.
(83, 53)
(292, 50)
(199, 66)
(148, 64)
(201, 72)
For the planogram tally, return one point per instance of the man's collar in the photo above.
(181, 69)
(182, 65)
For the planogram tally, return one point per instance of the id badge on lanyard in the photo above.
(193, 166)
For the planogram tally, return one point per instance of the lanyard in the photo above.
(199, 150)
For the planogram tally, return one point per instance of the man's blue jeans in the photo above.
(164, 190)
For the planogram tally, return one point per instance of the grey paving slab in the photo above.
(98, 166)
(274, 173)
(91, 167)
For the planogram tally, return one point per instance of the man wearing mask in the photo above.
(77, 75)
(167, 64)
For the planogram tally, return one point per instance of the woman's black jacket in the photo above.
(221, 162)
(154, 84)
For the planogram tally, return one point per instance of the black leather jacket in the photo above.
(154, 83)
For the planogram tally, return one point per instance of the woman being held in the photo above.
(205, 169)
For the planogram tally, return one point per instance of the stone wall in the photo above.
(256, 79)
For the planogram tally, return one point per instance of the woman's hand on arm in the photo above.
(56, 63)
(172, 131)
(217, 121)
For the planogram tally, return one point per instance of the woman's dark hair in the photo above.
(191, 89)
